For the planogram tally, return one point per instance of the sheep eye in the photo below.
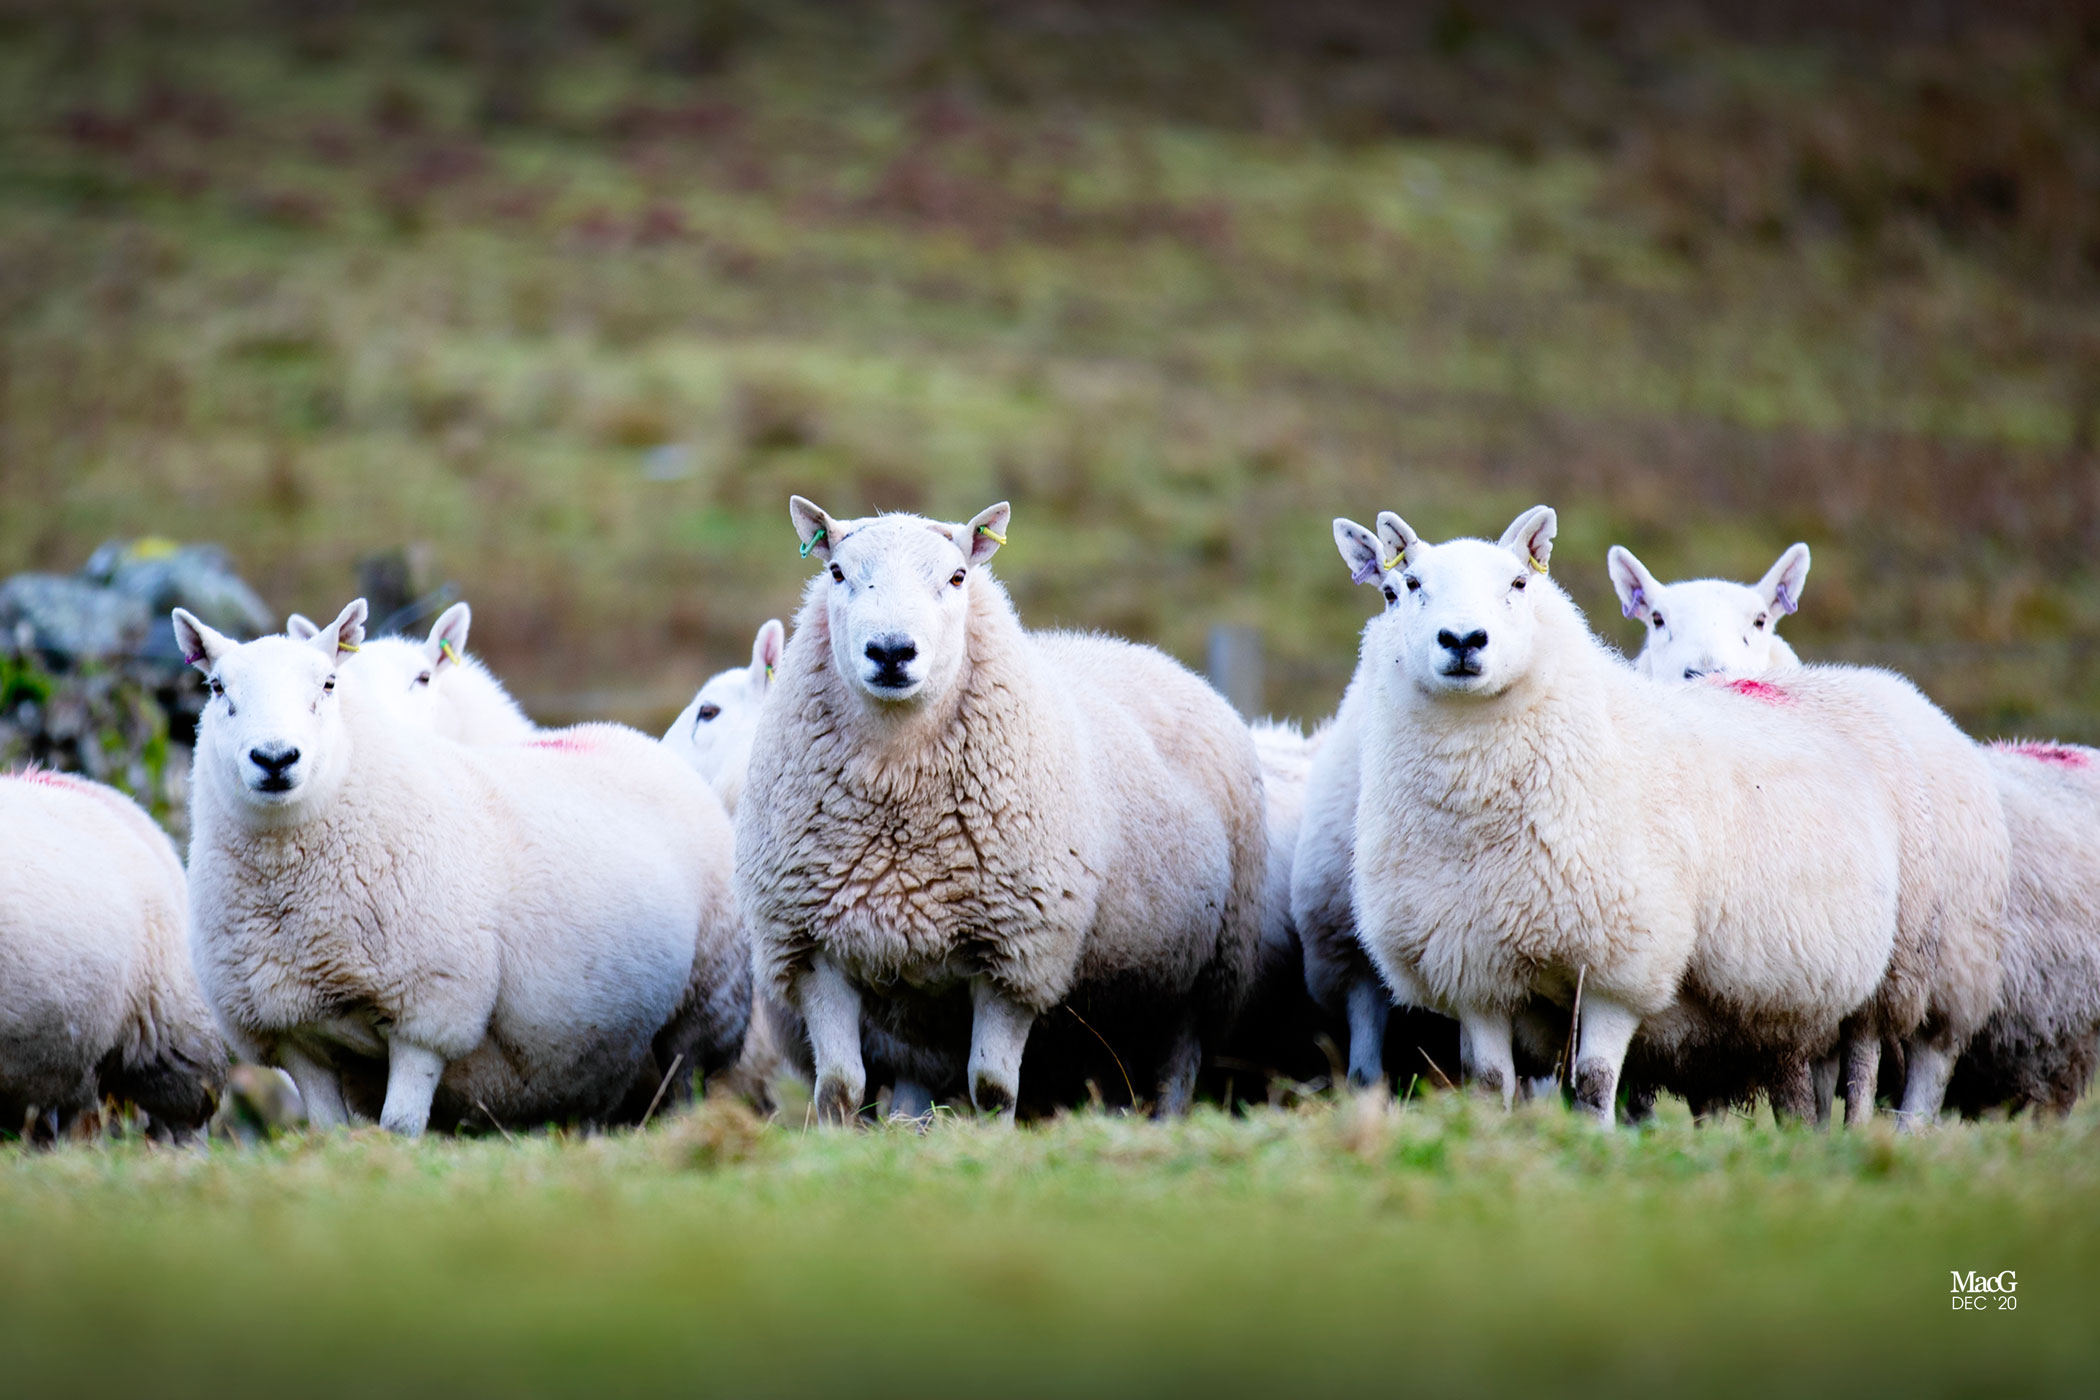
(1391, 594)
(1656, 618)
(955, 580)
(709, 711)
(216, 686)
(423, 679)
(1414, 585)
(1759, 624)
(1518, 584)
(838, 575)
(329, 685)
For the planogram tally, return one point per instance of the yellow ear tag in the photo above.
(449, 651)
(993, 535)
(1536, 564)
(343, 645)
(1395, 562)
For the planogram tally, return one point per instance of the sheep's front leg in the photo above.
(1177, 1079)
(320, 1088)
(412, 1075)
(1369, 1008)
(1825, 1073)
(1487, 1053)
(830, 1007)
(998, 1034)
(1607, 1029)
(1862, 1076)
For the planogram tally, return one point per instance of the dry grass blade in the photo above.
(669, 1074)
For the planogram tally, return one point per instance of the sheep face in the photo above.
(714, 732)
(1461, 618)
(272, 732)
(898, 601)
(1709, 626)
(405, 675)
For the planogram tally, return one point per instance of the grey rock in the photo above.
(70, 619)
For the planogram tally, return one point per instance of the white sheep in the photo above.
(453, 693)
(2012, 968)
(431, 932)
(1716, 871)
(97, 998)
(714, 731)
(975, 837)
(1710, 626)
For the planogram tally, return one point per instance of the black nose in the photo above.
(891, 653)
(1472, 641)
(273, 761)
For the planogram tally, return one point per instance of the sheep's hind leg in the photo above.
(1177, 1078)
(320, 1089)
(1369, 1009)
(412, 1075)
(1792, 1091)
(909, 1099)
(1926, 1070)
(1607, 1029)
(1862, 1072)
(1489, 1057)
(1824, 1075)
(830, 1007)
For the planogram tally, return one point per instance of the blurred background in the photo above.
(550, 305)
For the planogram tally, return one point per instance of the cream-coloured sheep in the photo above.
(1716, 871)
(434, 932)
(1709, 626)
(981, 839)
(97, 999)
(452, 693)
(714, 731)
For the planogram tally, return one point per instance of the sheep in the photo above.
(452, 692)
(2033, 1037)
(1705, 626)
(714, 731)
(97, 999)
(965, 833)
(1718, 872)
(434, 933)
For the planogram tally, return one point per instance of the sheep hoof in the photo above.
(992, 1098)
(838, 1102)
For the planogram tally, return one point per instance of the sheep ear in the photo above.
(1783, 582)
(299, 627)
(1397, 536)
(447, 645)
(201, 647)
(1636, 587)
(343, 634)
(1360, 549)
(819, 533)
(1530, 536)
(765, 651)
(980, 539)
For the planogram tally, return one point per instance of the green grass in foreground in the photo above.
(1434, 1247)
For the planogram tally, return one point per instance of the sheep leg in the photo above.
(1926, 1070)
(1607, 1029)
(1369, 1009)
(1862, 1071)
(1177, 1080)
(320, 1089)
(1488, 1054)
(910, 1099)
(830, 1008)
(998, 1034)
(412, 1074)
(1825, 1077)
(1792, 1091)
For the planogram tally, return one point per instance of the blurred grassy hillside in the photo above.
(573, 295)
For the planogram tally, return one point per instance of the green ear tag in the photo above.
(811, 542)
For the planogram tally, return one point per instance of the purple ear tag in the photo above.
(1365, 572)
(1784, 598)
(1634, 604)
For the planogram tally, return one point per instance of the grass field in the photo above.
(1435, 1248)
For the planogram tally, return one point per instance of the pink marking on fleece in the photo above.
(562, 743)
(45, 777)
(1762, 691)
(2058, 755)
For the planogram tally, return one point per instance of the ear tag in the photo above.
(993, 535)
(449, 651)
(1535, 563)
(342, 646)
(1638, 601)
(193, 660)
(811, 542)
(1784, 599)
(1364, 572)
(769, 672)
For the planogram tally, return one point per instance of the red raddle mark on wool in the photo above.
(45, 777)
(2062, 756)
(1762, 691)
(562, 743)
